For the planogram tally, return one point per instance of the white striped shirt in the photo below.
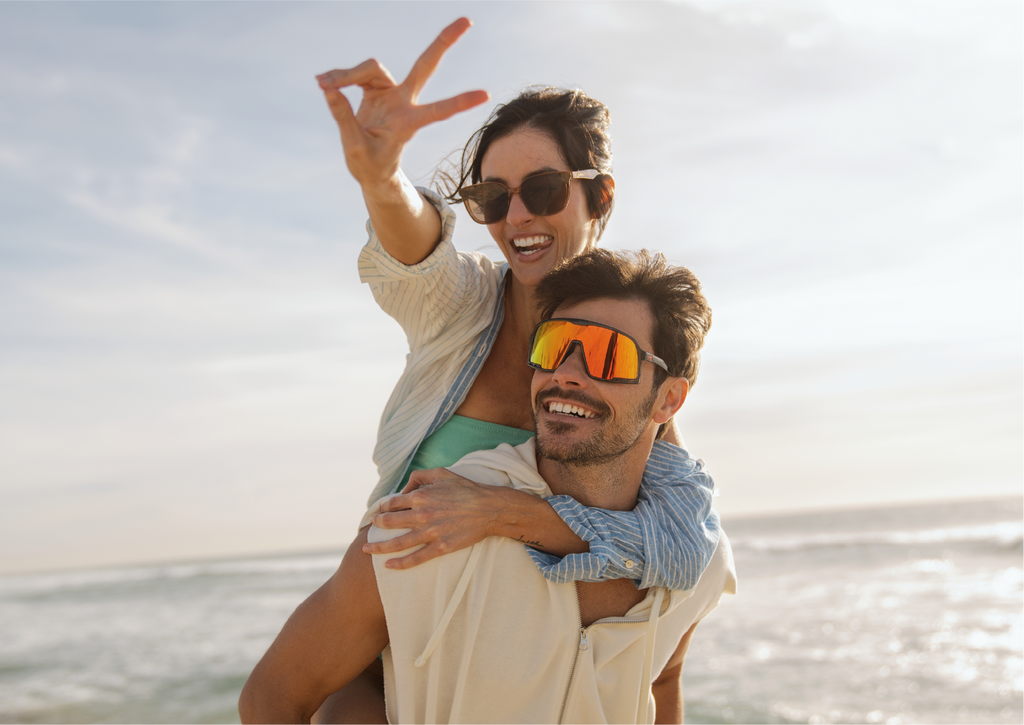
(450, 306)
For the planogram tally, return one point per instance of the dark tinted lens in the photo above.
(486, 203)
(546, 194)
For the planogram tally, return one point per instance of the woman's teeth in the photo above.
(523, 244)
(569, 410)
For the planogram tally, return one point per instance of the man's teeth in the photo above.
(569, 410)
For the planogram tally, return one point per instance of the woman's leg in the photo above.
(361, 701)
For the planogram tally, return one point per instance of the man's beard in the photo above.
(604, 445)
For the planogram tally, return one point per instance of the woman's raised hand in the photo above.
(374, 136)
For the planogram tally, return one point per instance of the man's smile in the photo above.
(567, 409)
(570, 404)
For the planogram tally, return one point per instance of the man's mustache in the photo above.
(548, 393)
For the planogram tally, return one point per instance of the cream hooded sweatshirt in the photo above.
(480, 636)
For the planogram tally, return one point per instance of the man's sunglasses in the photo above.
(543, 194)
(609, 354)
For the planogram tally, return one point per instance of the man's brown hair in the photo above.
(681, 313)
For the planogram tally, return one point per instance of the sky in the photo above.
(190, 368)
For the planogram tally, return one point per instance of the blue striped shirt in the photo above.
(667, 540)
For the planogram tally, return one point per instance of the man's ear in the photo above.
(670, 399)
(606, 193)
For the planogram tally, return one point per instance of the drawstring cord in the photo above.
(652, 628)
(449, 611)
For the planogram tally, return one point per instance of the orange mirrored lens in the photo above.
(609, 355)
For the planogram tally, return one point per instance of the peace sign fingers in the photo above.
(374, 136)
(427, 63)
(441, 110)
(369, 74)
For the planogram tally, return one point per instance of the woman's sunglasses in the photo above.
(609, 354)
(543, 194)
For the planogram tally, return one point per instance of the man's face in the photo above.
(605, 419)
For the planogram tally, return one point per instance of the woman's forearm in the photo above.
(446, 512)
(532, 521)
(407, 225)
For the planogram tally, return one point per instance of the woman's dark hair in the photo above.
(576, 122)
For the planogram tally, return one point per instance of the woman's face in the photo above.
(534, 244)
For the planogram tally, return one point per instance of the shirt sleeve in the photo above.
(431, 296)
(667, 540)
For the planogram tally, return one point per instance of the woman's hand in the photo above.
(447, 512)
(374, 137)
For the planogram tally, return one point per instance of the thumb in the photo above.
(426, 477)
(341, 109)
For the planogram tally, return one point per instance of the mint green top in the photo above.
(459, 436)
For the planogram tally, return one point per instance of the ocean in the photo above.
(909, 614)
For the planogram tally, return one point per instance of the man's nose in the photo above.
(573, 368)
